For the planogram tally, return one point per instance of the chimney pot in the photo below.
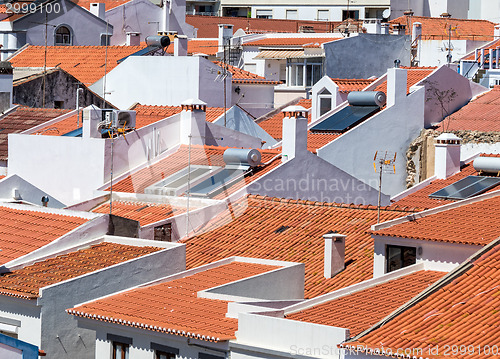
(334, 260)
(193, 122)
(294, 132)
(447, 155)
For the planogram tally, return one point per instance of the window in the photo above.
(350, 14)
(120, 350)
(105, 39)
(323, 15)
(264, 14)
(291, 15)
(398, 257)
(163, 233)
(58, 104)
(163, 351)
(163, 355)
(304, 72)
(62, 36)
(325, 102)
(209, 356)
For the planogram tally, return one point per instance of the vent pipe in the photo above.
(334, 260)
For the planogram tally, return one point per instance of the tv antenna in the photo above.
(383, 162)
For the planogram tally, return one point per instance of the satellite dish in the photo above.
(386, 14)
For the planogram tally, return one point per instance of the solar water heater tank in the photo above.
(244, 157)
(487, 164)
(366, 98)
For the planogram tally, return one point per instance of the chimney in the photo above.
(180, 45)
(98, 9)
(399, 29)
(396, 85)
(372, 26)
(294, 136)
(417, 31)
(447, 155)
(6, 78)
(496, 32)
(91, 118)
(384, 28)
(225, 35)
(193, 122)
(165, 23)
(445, 15)
(133, 38)
(334, 261)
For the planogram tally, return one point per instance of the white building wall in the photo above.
(310, 12)
(440, 256)
(470, 149)
(21, 315)
(433, 52)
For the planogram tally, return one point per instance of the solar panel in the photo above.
(345, 118)
(177, 183)
(467, 187)
(217, 182)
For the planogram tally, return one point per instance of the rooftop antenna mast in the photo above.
(105, 67)
(383, 162)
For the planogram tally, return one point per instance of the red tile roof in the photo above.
(240, 76)
(26, 282)
(414, 76)
(143, 212)
(109, 4)
(317, 140)
(145, 115)
(274, 125)
(200, 155)
(208, 25)
(291, 41)
(464, 311)
(24, 230)
(173, 307)
(420, 199)
(480, 114)
(477, 223)
(348, 85)
(437, 28)
(22, 119)
(200, 46)
(85, 63)
(362, 309)
(251, 230)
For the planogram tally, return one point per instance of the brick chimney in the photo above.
(447, 155)
(193, 122)
(294, 132)
(334, 260)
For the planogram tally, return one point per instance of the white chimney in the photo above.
(180, 45)
(193, 122)
(294, 136)
(98, 9)
(399, 29)
(91, 118)
(6, 80)
(225, 35)
(334, 261)
(417, 31)
(447, 155)
(496, 32)
(166, 10)
(133, 38)
(384, 28)
(396, 85)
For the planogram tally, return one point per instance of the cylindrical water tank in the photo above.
(487, 164)
(366, 98)
(157, 40)
(238, 156)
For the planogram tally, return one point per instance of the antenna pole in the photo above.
(45, 60)
(379, 192)
(188, 185)
(224, 77)
(111, 180)
(105, 68)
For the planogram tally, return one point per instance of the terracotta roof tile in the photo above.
(109, 4)
(22, 119)
(348, 85)
(274, 125)
(240, 76)
(291, 41)
(362, 309)
(436, 28)
(26, 282)
(173, 307)
(145, 115)
(200, 155)
(414, 76)
(200, 46)
(208, 25)
(143, 212)
(23, 231)
(476, 224)
(85, 63)
(250, 230)
(463, 311)
(492, 46)
(480, 114)
(317, 140)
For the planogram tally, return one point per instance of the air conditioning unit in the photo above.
(119, 118)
